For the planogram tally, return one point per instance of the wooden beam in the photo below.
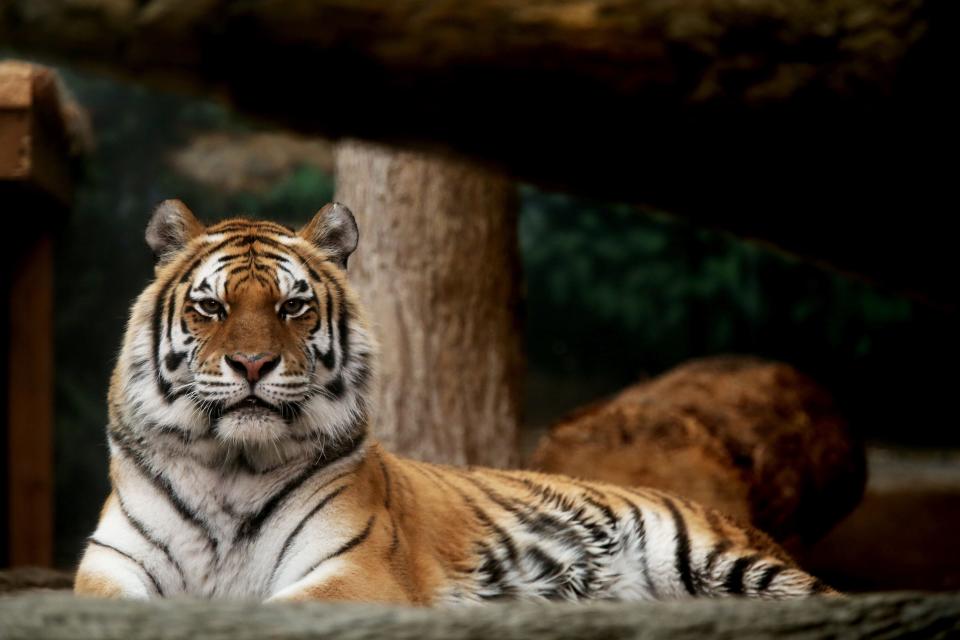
(818, 126)
(30, 406)
(35, 187)
(37, 132)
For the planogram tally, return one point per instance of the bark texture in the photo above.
(437, 269)
(895, 615)
(815, 125)
(755, 439)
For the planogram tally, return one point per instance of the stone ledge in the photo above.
(876, 616)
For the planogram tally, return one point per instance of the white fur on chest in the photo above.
(211, 533)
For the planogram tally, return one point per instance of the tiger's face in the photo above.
(248, 336)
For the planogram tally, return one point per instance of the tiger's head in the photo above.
(248, 340)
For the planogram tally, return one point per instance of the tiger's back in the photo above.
(535, 536)
(241, 463)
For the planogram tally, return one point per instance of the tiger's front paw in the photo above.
(98, 585)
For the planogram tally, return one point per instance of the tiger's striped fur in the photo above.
(241, 464)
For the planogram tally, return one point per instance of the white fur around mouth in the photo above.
(251, 405)
(252, 425)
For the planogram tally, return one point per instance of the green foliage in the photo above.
(613, 291)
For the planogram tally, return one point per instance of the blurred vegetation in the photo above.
(634, 293)
(638, 293)
(613, 294)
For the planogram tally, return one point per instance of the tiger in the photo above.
(242, 464)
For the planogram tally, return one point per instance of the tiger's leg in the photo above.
(738, 560)
(110, 567)
(107, 572)
(749, 572)
(687, 550)
(344, 580)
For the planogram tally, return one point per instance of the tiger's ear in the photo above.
(333, 230)
(171, 227)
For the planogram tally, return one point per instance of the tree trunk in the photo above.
(437, 270)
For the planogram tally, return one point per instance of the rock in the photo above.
(23, 579)
(753, 438)
(254, 162)
(875, 616)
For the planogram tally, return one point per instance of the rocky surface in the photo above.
(873, 616)
(238, 162)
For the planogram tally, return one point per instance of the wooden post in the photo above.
(35, 187)
(438, 271)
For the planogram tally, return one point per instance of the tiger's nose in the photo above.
(253, 366)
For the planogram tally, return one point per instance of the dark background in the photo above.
(613, 293)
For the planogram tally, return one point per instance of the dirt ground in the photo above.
(906, 532)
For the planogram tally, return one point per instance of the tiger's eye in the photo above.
(292, 306)
(211, 307)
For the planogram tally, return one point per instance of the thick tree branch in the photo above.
(817, 125)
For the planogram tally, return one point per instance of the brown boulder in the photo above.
(753, 438)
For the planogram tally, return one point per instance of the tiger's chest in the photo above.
(230, 536)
